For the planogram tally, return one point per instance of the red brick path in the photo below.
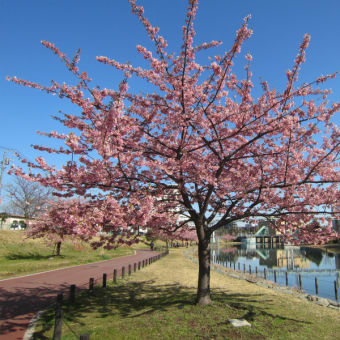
(21, 298)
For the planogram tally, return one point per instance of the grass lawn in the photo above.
(157, 303)
(21, 256)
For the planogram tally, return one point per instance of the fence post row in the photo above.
(59, 305)
(58, 317)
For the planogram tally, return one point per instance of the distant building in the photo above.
(336, 222)
(13, 222)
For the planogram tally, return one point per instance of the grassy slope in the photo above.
(21, 256)
(157, 303)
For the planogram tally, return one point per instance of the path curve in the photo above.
(22, 297)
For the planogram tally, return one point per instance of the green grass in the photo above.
(21, 256)
(149, 305)
(145, 311)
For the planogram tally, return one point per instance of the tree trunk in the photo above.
(203, 289)
(58, 248)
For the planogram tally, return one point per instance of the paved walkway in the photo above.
(21, 298)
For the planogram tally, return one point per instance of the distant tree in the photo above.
(3, 218)
(26, 198)
(200, 144)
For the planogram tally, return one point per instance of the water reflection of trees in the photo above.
(289, 258)
(337, 261)
(313, 254)
(227, 255)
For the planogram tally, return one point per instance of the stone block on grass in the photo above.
(239, 323)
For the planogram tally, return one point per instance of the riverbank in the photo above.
(158, 303)
(330, 248)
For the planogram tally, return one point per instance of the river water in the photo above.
(309, 263)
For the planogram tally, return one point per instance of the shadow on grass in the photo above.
(140, 300)
(31, 256)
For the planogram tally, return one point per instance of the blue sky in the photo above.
(108, 28)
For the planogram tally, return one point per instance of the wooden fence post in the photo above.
(134, 267)
(265, 273)
(123, 272)
(104, 280)
(300, 282)
(336, 290)
(84, 337)
(91, 285)
(115, 276)
(139, 265)
(72, 293)
(286, 278)
(129, 269)
(249, 269)
(316, 286)
(58, 318)
(275, 279)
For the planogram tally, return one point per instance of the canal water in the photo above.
(310, 263)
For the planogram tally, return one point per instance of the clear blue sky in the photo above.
(108, 28)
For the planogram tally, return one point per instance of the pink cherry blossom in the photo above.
(200, 150)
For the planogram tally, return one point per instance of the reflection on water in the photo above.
(308, 262)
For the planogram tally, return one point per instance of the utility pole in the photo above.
(4, 162)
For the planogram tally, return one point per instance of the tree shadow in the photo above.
(31, 256)
(131, 300)
(18, 305)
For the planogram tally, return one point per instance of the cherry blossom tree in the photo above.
(60, 220)
(199, 146)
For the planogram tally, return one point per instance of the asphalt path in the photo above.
(21, 298)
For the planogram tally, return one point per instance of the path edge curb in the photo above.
(31, 326)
